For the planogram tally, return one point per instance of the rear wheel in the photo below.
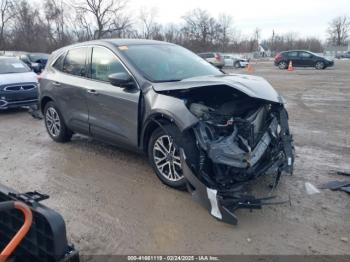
(237, 65)
(282, 65)
(55, 125)
(164, 156)
(319, 65)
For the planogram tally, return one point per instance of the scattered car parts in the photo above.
(46, 239)
(335, 185)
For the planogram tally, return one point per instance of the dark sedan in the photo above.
(301, 58)
(35, 61)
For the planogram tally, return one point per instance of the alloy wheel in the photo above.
(166, 157)
(319, 65)
(53, 122)
(282, 65)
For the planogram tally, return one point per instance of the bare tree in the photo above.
(108, 17)
(6, 8)
(28, 30)
(56, 16)
(197, 29)
(225, 21)
(149, 26)
(338, 31)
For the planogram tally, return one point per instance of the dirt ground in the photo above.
(114, 204)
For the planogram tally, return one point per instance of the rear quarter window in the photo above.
(59, 62)
(75, 62)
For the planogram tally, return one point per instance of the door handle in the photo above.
(92, 92)
(56, 83)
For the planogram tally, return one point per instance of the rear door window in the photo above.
(293, 54)
(305, 55)
(75, 62)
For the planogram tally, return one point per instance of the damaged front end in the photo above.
(238, 139)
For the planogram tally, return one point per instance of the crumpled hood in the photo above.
(253, 86)
(17, 78)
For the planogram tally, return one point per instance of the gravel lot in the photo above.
(114, 204)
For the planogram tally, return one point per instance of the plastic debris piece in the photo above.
(345, 189)
(335, 185)
(311, 189)
(344, 239)
(343, 173)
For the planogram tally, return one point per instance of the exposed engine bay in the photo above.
(238, 139)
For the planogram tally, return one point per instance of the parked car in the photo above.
(200, 127)
(215, 59)
(18, 84)
(35, 61)
(345, 55)
(302, 58)
(234, 61)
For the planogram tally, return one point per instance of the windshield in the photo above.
(12, 65)
(166, 63)
(38, 57)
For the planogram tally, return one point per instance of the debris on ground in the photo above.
(344, 239)
(335, 185)
(345, 189)
(311, 189)
(35, 112)
(343, 173)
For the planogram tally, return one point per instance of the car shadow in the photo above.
(13, 111)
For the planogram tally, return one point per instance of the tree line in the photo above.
(52, 24)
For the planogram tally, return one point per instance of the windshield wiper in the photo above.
(168, 80)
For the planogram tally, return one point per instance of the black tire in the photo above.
(237, 65)
(283, 65)
(320, 65)
(164, 175)
(62, 133)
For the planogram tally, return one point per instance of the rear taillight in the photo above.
(217, 57)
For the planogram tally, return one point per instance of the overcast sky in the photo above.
(306, 17)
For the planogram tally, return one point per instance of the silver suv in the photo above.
(201, 128)
(216, 59)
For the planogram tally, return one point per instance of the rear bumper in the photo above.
(244, 63)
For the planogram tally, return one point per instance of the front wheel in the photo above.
(320, 65)
(55, 125)
(237, 65)
(164, 156)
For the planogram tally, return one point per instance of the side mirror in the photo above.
(35, 66)
(121, 80)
